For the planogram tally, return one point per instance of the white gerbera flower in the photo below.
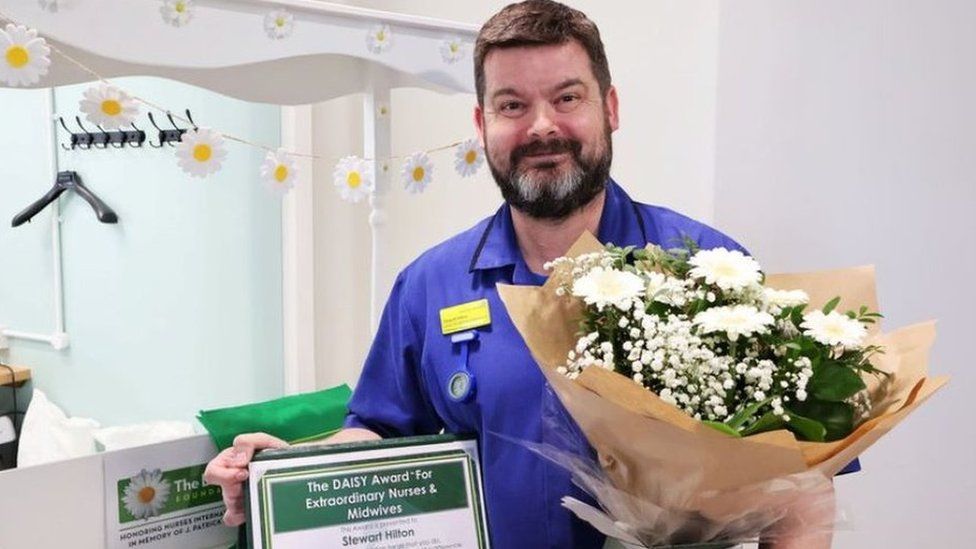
(379, 39)
(279, 24)
(785, 298)
(735, 321)
(602, 287)
(834, 328)
(664, 289)
(416, 172)
(50, 5)
(109, 107)
(26, 56)
(177, 12)
(729, 270)
(452, 49)
(468, 157)
(278, 171)
(146, 494)
(353, 178)
(201, 152)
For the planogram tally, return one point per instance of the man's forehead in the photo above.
(532, 68)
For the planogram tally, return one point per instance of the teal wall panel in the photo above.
(176, 308)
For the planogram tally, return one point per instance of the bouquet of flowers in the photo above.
(699, 329)
(715, 397)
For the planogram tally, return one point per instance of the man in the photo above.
(546, 110)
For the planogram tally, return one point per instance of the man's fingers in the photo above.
(233, 518)
(234, 490)
(229, 471)
(222, 470)
(246, 444)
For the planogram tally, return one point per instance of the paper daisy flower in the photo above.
(416, 172)
(452, 50)
(177, 12)
(109, 107)
(201, 152)
(468, 157)
(833, 328)
(146, 494)
(729, 270)
(50, 5)
(735, 321)
(279, 24)
(602, 287)
(26, 57)
(379, 39)
(352, 178)
(278, 171)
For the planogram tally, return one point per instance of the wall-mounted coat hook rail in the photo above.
(172, 136)
(118, 139)
(101, 139)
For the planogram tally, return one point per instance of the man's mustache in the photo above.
(552, 146)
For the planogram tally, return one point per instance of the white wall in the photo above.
(845, 136)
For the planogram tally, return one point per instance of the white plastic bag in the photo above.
(140, 434)
(47, 434)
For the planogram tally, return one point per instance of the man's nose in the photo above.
(543, 121)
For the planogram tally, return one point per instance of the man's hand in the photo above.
(353, 434)
(229, 469)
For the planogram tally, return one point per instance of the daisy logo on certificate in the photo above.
(146, 494)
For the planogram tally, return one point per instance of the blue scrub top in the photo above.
(403, 387)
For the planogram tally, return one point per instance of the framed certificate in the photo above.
(422, 492)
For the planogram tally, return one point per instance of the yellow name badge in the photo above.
(465, 316)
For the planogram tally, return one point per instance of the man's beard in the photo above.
(546, 194)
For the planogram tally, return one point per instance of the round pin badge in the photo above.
(460, 386)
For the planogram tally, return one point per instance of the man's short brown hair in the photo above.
(538, 23)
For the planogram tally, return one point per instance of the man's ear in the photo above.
(611, 103)
(479, 123)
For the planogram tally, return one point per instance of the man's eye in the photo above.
(511, 106)
(567, 102)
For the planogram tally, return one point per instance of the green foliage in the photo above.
(836, 417)
(722, 428)
(835, 382)
(805, 428)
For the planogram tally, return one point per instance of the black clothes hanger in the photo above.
(67, 181)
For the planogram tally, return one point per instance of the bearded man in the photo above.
(545, 114)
